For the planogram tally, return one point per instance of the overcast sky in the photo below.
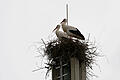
(23, 22)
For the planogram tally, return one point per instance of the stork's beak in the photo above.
(54, 29)
(63, 21)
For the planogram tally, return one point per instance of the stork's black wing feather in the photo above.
(78, 33)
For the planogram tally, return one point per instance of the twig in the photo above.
(39, 69)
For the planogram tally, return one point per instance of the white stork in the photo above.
(60, 34)
(71, 31)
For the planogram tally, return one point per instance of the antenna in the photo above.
(67, 13)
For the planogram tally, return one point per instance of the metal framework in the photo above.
(62, 70)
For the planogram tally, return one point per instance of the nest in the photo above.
(84, 51)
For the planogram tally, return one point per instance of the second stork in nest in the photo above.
(71, 31)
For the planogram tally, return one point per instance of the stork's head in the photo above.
(57, 27)
(64, 21)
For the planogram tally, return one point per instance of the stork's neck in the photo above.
(63, 24)
(64, 27)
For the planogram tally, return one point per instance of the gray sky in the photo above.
(23, 22)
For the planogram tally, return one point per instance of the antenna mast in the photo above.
(67, 13)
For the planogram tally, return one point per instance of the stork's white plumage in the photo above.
(60, 34)
(71, 31)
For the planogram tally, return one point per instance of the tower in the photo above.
(68, 67)
(71, 70)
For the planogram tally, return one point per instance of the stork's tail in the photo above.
(81, 37)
